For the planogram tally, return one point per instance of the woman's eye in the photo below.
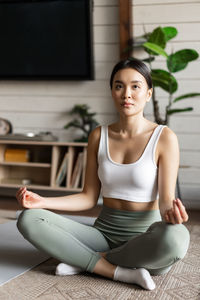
(135, 86)
(118, 86)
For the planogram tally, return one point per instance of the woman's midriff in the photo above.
(129, 205)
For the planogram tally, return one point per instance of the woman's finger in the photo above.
(180, 204)
(23, 192)
(177, 215)
(29, 201)
(19, 191)
(23, 198)
(166, 217)
(19, 198)
(182, 210)
(26, 202)
(171, 216)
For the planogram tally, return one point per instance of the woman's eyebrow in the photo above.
(118, 81)
(133, 81)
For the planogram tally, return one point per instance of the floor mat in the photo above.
(17, 255)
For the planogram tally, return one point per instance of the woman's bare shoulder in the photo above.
(95, 133)
(168, 135)
(168, 139)
(94, 137)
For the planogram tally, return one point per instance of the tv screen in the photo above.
(46, 39)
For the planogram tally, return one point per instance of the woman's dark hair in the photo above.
(135, 64)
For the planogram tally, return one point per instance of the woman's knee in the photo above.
(27, 220)
(174, 238)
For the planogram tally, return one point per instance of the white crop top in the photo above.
(136, 181)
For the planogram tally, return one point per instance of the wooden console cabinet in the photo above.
(43, 165)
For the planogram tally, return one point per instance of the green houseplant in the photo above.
(84, 121)
(154, 44)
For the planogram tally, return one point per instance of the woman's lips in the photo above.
(127, 104)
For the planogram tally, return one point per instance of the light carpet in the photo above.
(181, 283)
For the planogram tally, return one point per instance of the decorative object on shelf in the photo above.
(16, 181)
(76, 175)
(154, 44)
(16, 155)
(62, 172)
(26, 181)
(5, 127)
(30, 136)
(86, 121)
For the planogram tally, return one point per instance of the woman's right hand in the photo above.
(29, 199)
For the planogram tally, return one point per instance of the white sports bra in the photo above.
(136, 181)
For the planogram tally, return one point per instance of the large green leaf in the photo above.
(177, 110)
(179, 60)
(155, 48)
(165, 80)
(157, 37)
(172, 67)
(186, 96)
(170, 32)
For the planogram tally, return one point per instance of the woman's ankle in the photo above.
(104, 268)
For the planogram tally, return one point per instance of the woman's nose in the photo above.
(127, 93)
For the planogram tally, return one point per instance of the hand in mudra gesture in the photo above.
(29, 199)
(177, 214)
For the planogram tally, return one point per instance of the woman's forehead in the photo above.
(129, 74)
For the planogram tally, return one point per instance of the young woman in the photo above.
(132, 161)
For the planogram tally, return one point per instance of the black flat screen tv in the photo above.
(46, 39)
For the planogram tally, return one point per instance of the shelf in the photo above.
(28, 164)
(39, 187)
(45, 169)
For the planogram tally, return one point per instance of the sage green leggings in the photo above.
(130, 239)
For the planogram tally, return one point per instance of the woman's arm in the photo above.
(172, 210)
(77, 202)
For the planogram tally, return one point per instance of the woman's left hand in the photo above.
(177, 214)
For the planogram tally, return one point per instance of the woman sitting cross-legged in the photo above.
(134, 161)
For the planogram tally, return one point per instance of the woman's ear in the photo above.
(149, 94)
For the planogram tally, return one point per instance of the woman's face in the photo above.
(130, 92)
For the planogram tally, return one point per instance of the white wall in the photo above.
(43, 105)
(184, 15)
